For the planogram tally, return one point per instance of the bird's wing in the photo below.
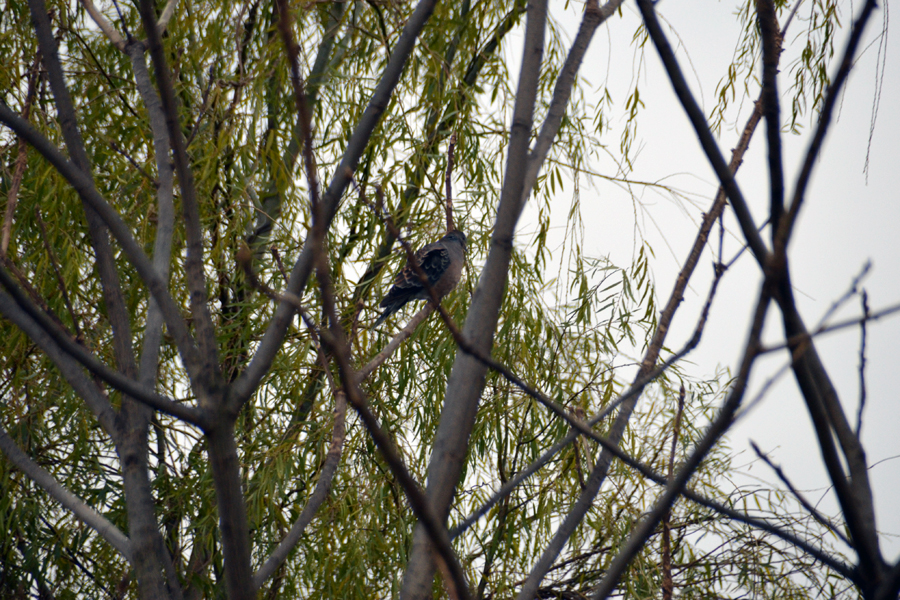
(434, 260)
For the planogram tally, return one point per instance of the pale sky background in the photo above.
(845, 222)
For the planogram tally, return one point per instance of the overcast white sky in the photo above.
(845, 222)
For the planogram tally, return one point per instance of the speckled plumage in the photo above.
(442, 262)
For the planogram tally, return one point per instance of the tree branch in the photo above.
(85, 188)
(105, 26)
(96, 401)
(109, 277)
(196, 278)
(69, 501)
(716, 429)
(323, 487)
(594, 16)
(707, 142)
(831, 99)
(467, 376)
(771, 50)
(38, 324)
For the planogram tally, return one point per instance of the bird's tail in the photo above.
(391, 309)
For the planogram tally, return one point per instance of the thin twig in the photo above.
(862, 361)
(12, 196)
(667, 583)
(803, 501)
(54, 261)
(449, 179)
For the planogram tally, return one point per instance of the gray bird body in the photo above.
(442, 263)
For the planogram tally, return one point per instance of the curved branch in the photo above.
(323, 487)
(69, 501)
(105, 26)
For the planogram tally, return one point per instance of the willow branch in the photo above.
(68, 500)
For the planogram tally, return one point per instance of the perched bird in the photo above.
(442, 263)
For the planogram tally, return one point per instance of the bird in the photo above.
(442, 262)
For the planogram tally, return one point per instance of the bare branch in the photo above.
(831, 98)
(666, 568)
(890, 587)
(803, 501)
(166, 16)
(449, 184)
(707, 141)
(165, 220)
(594, 16)
(69, 501)
(771, 49)
(12, 196)
(862, 361)
(395, 342)
(716, 429)
(323, 487)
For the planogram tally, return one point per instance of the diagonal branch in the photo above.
(799, 497)
(69, 501)
(105, 26)
(116, 310)
(323, 487)
(165, 222)
(594, 16)
(133, 251)
(424, 509)
(716, 429)
(96, 401)
(37, 323)
(831, 98)
(707, 141)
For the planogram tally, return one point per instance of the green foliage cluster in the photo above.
(238, 115)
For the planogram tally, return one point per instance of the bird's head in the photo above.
(455, 236)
